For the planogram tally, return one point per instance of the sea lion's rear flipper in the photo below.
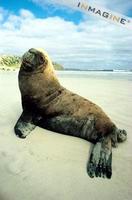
(100, 163)
(24, 125)
(121, 135)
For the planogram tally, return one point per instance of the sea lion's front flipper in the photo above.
(100, 163)
(24, 125)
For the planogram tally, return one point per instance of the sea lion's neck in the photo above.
(50, 76)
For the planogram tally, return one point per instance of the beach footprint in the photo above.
(14, 164)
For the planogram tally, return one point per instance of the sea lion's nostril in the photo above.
(32, 50)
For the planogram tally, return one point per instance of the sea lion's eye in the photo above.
(41, 59)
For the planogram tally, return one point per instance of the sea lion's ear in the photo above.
(45, 62)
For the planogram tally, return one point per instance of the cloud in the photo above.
(116, 5)
(90, 44)
(54, 3)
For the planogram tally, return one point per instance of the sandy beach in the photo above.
(51, 166)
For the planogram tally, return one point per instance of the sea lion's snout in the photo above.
(33, 59)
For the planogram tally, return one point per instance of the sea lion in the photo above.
(49, 105)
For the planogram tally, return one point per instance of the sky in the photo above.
(71, 38)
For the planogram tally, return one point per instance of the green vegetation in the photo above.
(13, 62)
(10, 61)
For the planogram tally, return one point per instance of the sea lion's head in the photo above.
(34, 60)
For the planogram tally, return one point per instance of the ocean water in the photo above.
(120, 75)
